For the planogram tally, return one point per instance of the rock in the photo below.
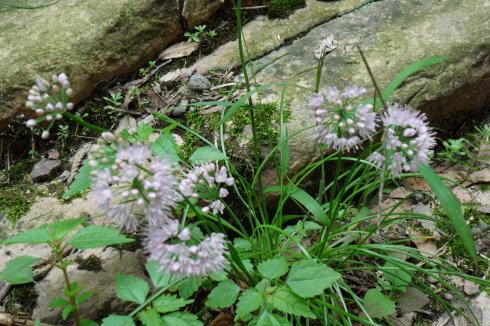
(481, 176)
(405, 320)
(411, 31)
(100, 283)
(484, 153)
(198, 82)
(399, 193)
(44, 170)
(180, 110)
(198, 11)
(92, 41)
(480, 307)
(470, 288)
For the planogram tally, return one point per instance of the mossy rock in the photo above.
(283, 8)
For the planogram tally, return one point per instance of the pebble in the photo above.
(198, 82)
(180, 110)
(44, 170)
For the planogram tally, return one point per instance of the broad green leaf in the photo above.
(115, 320)
(180, 319)
(308, 278)
(249, 301)
(82, 182)
(242, 245)
(58, 302)
(404, 74)
(218, 276)
(169, 303)
(131, 288)
(398, 278)
(268, 319)
(144, 131)
(65, 313)
(18, 270)
(287, 302)
(58, 230)
(159, 277)
(150, 317)
(88, 322)
(223, 295)
(35, 236)
(451, 206)
(206, 154)
(189, 286)
(377, 304)
(95, 236)
(165, 147)
(273, 268)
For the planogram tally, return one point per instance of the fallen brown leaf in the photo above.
(179, 50)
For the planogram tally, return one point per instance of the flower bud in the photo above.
(45, 134)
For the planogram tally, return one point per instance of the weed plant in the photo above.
(267, 265)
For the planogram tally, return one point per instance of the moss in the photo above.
(17, 200)
(22, 298)
(91, 263)
(18, 171)
(266, 116)
(283, 8)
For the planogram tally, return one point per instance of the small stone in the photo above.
(399, 193)
(470, 288)
(411, 300)
(178, 140)
(418, 197)
(44, 170)
(180, 110)
(198, 82)
(481, 176)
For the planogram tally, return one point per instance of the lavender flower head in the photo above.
(178, 254)
(136, 185)
(49, 101)
(408, 142)
(207, 183)
(340, 124)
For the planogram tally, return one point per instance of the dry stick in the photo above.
(377, 90)
(141, 81)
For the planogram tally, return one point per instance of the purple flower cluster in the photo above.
(408, 142)
(340, 124)
(49, 101)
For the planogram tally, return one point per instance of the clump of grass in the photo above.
(283, 8)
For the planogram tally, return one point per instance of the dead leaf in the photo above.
(412, 300)
(399, 193)
(171, 76)
(423, 242)
(179, 50)
(481, 176)
(157, 100)
(416, 184)
(223, 319)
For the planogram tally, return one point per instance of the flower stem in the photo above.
(84, 123)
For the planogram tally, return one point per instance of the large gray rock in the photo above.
(393, 35)
(92, 41)
(197, 11)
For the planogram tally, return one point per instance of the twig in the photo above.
(141, 81)
(222, 86)
(10, 320)
(372, 78)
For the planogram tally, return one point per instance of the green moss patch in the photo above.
(283, 8)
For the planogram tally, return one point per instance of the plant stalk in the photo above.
(73, 300)
(84, 123)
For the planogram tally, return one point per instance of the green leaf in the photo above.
(268, 319)
(131, 288)
(165, 147)
(451, 206)
(273, 268)
(180, 319)
(58, 230)
(65, 313)
(223, 295)
(144, 131)
(206, 154)
(88, 322)
(95, 236)
(242, 245)
(218, 276)
(308, 278)
(82, 182)
(249, 301)
(35, 236)
(286, 301)
(404, 74)
(57, 302)
(150, 317)
(398, 278)
(159, 277)
(18, 270)
(189, 286)
(169, 303)
(377, 304)
(84, 297)
(115, 320)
